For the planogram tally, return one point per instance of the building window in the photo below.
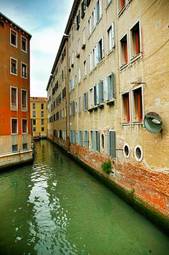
(24, 100)
(86, 139)
(42, 114)
(34, 129)
(78, 21)
(111, 37)
(100, 92)
(126, 108)
(126, 151)
(138, 153)
(98, 10)
(85, 101)
(122, 4)
(42, 122)
(112, 144)
(13, 66)
(14, 98)
(14, 130)
(124, 51)
(108, 2)
(100, 50)
(135, 42)
(34, 106)
(34, 114)
(13, 38)
(85, 69)
(102, 141)
(24, 126)
(24, 70)
(24, 44)
(95, 139)
(109, 88)
(138, 105)
(25, 146)
(34, 122)
(14, 148)
(42, 129)
(42, 106)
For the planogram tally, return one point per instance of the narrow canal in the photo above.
(54, 207)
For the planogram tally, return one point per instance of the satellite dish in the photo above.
(153, 122)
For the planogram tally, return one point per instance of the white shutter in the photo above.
(113, 35)
(105, 82)
(97, 54)
(97, 94)
(100, 8)
(102, 47)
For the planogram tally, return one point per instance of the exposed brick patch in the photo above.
(150, 186)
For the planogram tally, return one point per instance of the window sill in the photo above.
(132, 123)
(108, 5)
(25, 110)
(124, 66)
(101, 105)
(111, 51)
(135, 58)
(121, 11)
(14, 74)
(111, 101)
(24, 51)
(13, 45)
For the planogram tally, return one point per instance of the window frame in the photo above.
(13, 108)
(25, 51)
(131, 56)
(24, 77)
(13, 118)
(134, 121)
(26, 126)
(24, 109)
(125, 122)
(11, 58)
(124, 60)
(13, 45)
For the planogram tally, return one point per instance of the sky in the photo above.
(45, 20)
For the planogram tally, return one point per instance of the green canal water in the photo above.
(54, 207)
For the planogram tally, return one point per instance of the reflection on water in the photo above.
(54, 207)
(50, 221)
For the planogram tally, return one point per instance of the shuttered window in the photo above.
(126, 108)
(135, 34)
(86, 139)
(124, 51)
(112, 144)
(138, 105)
(85, 101)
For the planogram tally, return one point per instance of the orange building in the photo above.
(15, 131)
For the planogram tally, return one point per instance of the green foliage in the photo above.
(106, 167)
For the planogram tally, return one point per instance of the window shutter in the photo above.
(97, 54)
(100, 8)
(97, 94)
(112, 144)
(102, 47)
(113, 35)
(105, 82)
(97, 141)
(94, 132)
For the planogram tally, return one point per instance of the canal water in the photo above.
(54, 207)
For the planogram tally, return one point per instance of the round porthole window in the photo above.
(138, 153)
(126, 151)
